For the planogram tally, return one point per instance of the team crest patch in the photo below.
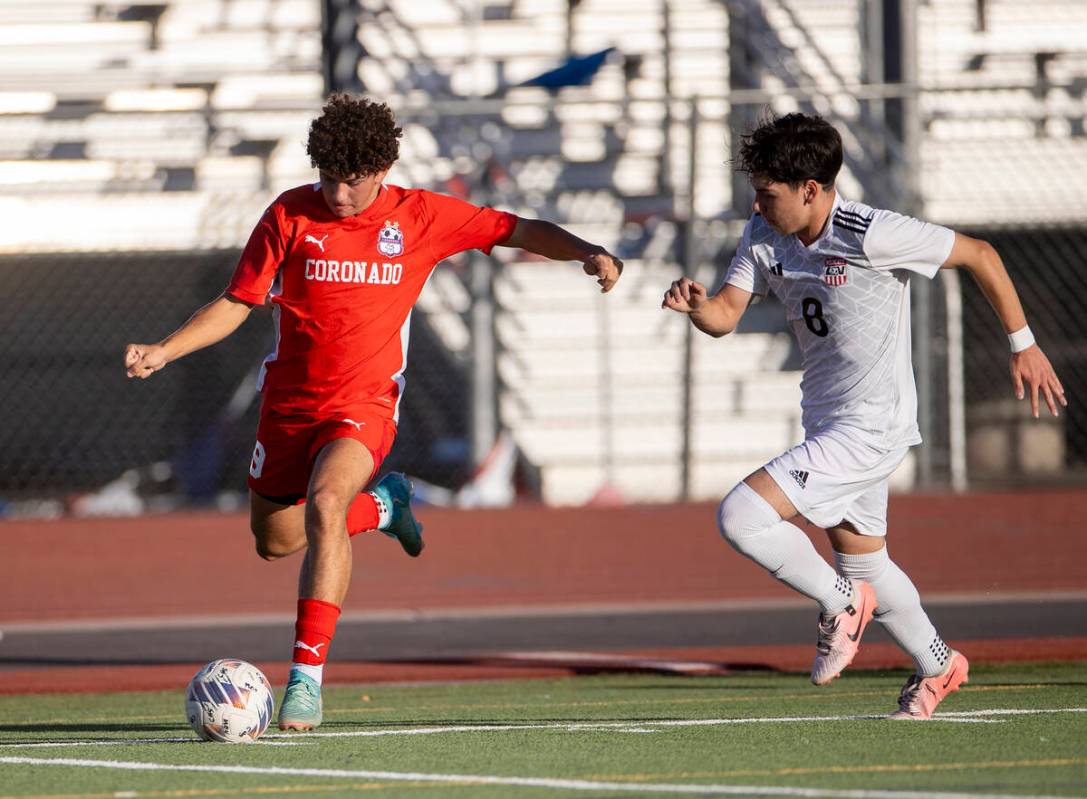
(834, 273)
(390, 241)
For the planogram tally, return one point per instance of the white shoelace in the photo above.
(828, 625)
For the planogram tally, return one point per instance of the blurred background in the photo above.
(141, 140)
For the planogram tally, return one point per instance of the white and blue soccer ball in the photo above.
(229, 701)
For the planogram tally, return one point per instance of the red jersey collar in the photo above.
(378, 207)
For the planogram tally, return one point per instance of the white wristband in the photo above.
(1021, 339)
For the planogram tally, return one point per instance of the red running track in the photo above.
(203, 565)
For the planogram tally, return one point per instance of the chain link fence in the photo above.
(78, 436)
(1004, 444)
(73, 422)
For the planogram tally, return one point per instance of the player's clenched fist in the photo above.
(606, 268)
(143, 360)
(685, 296)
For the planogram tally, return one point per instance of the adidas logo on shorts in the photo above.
(800, 477)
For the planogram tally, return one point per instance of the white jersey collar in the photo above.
(828, 227)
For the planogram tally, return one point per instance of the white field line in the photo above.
(1011, 711)
(528, 782)
(605, 726)
(969, 716)
(588, 726)
(133, 741)
(645, 726)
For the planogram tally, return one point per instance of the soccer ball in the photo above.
(229, 701)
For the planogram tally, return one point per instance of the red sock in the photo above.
(362, 514)
(313, 631)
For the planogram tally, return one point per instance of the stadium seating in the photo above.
(193, 111)
(1007, 105)
(592, 387)
(198, 105)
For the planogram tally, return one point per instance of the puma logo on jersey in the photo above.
(800, 477)
(308, 648)
(358, 425)
(319, 242)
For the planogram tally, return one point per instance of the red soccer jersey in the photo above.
(343, 289)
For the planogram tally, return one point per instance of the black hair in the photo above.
(353, 136)
(793, 149)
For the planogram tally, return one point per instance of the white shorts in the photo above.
(832, 477)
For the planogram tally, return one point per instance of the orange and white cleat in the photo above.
(920, 695)
(840, 635)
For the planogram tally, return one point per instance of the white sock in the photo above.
(384, 512)
(313, 672)
(751, 525)
(899, 610)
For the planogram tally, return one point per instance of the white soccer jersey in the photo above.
(847, 299)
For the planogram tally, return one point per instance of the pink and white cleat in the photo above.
(840, 635)
(920, 695)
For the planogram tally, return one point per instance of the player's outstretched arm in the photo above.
(1030, 368)
(717, 315)
(551, 241)
(212, 323)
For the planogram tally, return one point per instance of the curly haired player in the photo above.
(842, 271)
(342, 262)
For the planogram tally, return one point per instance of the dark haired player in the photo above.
(842, 270)
(342, 262)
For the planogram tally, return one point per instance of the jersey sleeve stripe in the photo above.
(851, 226)
(853, 214)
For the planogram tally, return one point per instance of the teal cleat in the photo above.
(301, 707)
(395, 491)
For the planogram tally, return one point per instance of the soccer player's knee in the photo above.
(867, 566)
(268, 545)
(269, 550)
(743, 515)
(326, 505)
(272, 541)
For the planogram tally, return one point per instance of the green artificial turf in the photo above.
(607, 729)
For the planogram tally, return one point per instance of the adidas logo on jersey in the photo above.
(800, 477)
(776, 269)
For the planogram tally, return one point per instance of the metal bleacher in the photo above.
(1005, 140)
(593, 388)
(183, 117)
(178, 117)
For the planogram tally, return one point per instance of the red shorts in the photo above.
(287, 446)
